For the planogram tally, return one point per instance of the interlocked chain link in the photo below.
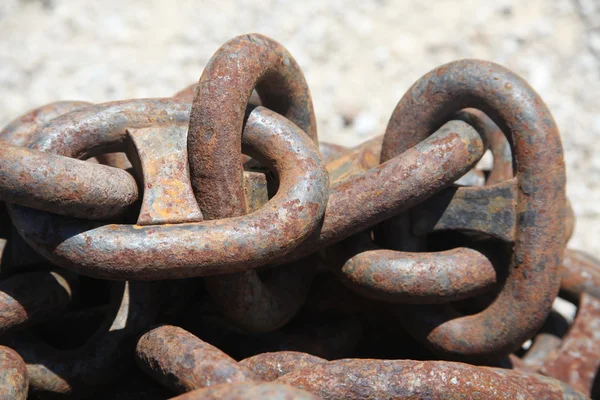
(207, 245)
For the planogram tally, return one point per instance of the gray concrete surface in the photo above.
(359, 57)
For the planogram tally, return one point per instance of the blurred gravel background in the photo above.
(359, 57)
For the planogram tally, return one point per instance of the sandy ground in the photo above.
(359, 57)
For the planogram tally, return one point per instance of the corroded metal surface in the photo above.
(365, 199)
(412, 254)
(263, 303)
(191, 249)
(255, 190)
(168, 197)
(490, 210)
(542, 348)
(248, 391)
(14, 382)
(359, 159)
(532, 280)
(182, 362)
(19, 131)
(235, 70)
(418, 278)
(403, 379)
(577, 360)
(330, 151)
(64, 185)
(240, 65)
(270, 366)
(542, 387)
(75, 188)
(502, 167)
(580, 273)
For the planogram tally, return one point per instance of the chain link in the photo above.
(207, 245)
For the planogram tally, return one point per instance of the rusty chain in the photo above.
(208, 246)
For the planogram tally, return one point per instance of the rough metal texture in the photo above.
(542, 348)
(33, 297)
(577, 360)
(532, 281)
(14, 382)
(359, 159)
(20, 131)
(417, 278)
(370, 197)
(490, 210)
(403, 379)
(240, 65)
(248, 391)
(64, 185)
(182, 362)
(25, 180)
(358, 58)
(579, 276)
(270, 366)
(235, 70)
(502, 169)
(330, 151)
(580, 273)
(182, 250)
(168, 196)
(542, 387)
(431, 141)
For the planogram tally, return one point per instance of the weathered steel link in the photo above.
(577, 359)
(357, 160)
(270, 366)
(293, 269)
(191, 249)
(540, 386)
(571, 355)
(26, 174)
(76, 134)
(367, 198)
(532, 281)
(417, 278)
(580, 273)
(502, 168)
(19, 131)
(263, 304)
(182, 362)
(214, 142)
(248, 391)
(402, 379)
(14, 382)
(168, 197)
(239, 66)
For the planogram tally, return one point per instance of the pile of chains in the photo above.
(208, 246)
